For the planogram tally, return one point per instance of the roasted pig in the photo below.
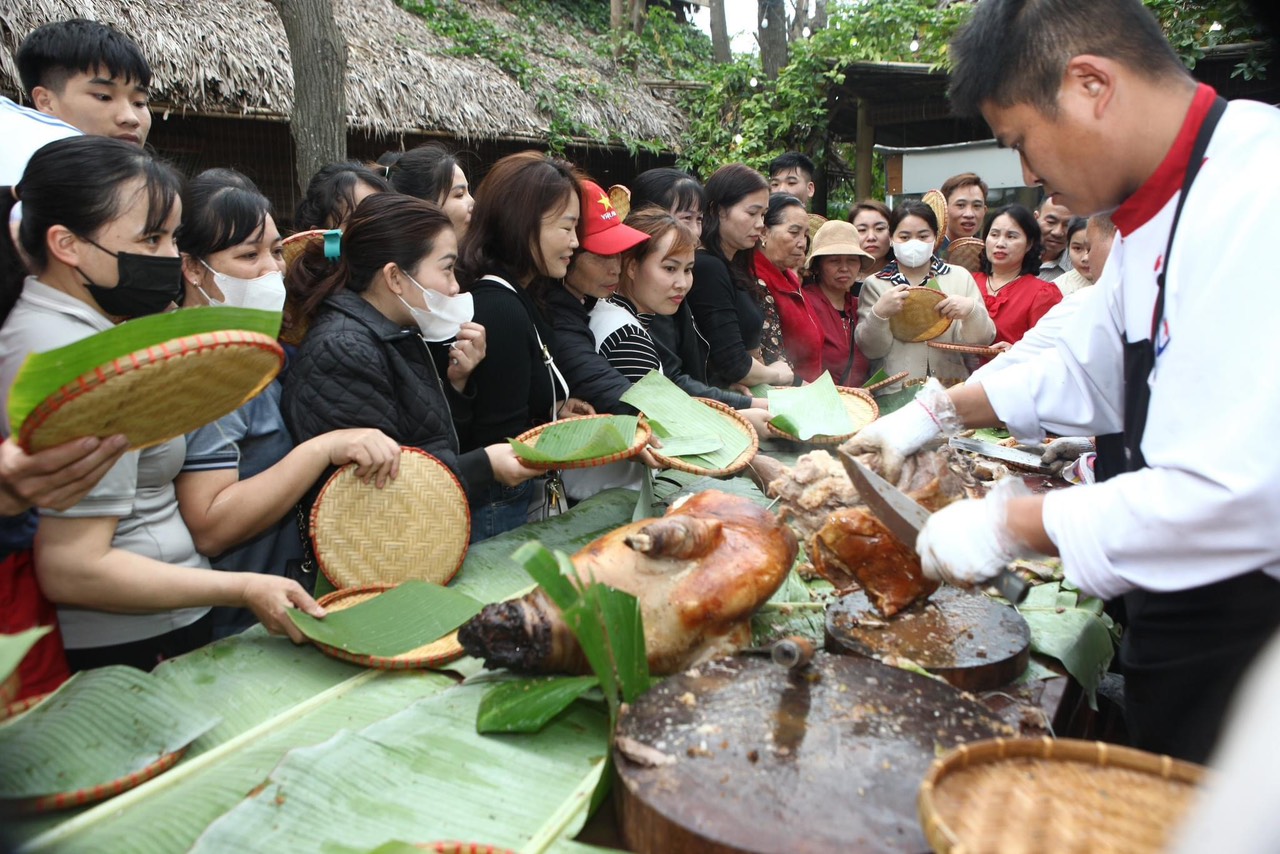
(699, 573)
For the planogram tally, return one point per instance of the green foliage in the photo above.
(1189, 26)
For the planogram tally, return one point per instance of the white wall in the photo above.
(924, 169)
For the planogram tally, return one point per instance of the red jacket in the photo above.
(801, 334)
(1017, 306)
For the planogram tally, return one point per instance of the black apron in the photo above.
(1183, 653)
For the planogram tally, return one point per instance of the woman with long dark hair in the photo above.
(724, 299)
(432, 173)
(364, 361)
(1015, 296)
(98, 223)
(243, 473)
(524, 229)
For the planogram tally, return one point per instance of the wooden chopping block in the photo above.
(968, 639)
(743, 755)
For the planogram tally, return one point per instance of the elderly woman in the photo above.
(835, 261)
(914, 229)
(790, 332)
(1015, 297)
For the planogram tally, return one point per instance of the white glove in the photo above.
(1063, 452)
(900, 434)
(969, 542)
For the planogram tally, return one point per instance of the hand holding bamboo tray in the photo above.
(151, 379)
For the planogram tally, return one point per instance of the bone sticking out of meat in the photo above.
(676, 536)
(699, 573)
(855, 548)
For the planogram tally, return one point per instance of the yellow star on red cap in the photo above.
(605, 202)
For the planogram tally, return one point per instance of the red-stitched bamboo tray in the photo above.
(461, 848)
(17, 707)
(93, 794)
(889, 380)
(971, 349)
(530, 437)
(157, 393)
(858, 401)
(919, 319)
(437, 652)
(418, 526)
(740, 422)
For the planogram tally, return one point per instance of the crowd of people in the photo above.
(440, 320)
(430, 316)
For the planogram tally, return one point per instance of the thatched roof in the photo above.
(231, 57)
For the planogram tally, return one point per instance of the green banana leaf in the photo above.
(586, 439)
(14, 648)
(875, 378)
(406, 617)
(42, 374)
(672, 412)
(810, 410)
(423, 774)
(1072, 630)
(690, 446)
(527, 705)
(101, 725)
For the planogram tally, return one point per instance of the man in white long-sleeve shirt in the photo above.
(1105, 118)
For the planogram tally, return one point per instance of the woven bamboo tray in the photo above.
(1053, 795)
(159, 393)
(739, 421)
(970, 349)
(887, 381)
(295, 244)
(461, 848)
(438, 652)
(93, 794)
(938, 202)
(17, 707)
(966, 252)
(919, 319)
(418, 526)
(530, 437)
(862, 408)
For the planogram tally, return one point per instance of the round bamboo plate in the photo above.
(966, 252)
(295, 244)
(862, 409)
(418, 526)
(887, 381)
(93, 794)
(158, 393)
(919, 319)
(971, 349)
(938, 202)
(620, 198)
(442, 651)
(17, 707)
(1053, 795)
(740, 421)
(530, 437)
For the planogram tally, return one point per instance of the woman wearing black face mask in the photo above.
(98, 223)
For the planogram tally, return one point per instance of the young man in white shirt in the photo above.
(1183, 523)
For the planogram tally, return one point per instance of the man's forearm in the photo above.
(973, 407)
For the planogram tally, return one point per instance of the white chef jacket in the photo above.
(1207, 508)
(24, 132)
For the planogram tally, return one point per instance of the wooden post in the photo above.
(866, 141)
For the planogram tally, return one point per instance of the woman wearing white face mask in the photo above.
(914, 229)
(364, 361)
(242, 475)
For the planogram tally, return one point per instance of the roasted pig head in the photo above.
(699, 573)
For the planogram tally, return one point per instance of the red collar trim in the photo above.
(1158, 189)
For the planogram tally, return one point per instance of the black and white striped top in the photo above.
(622, 336)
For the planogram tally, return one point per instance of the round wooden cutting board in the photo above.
(968, 639)
(743, 755)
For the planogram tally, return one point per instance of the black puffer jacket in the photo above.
(590, 376)
(683, 352)
(356, 368)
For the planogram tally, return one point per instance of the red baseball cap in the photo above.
(603, 232)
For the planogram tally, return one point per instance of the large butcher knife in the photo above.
(904, 518)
